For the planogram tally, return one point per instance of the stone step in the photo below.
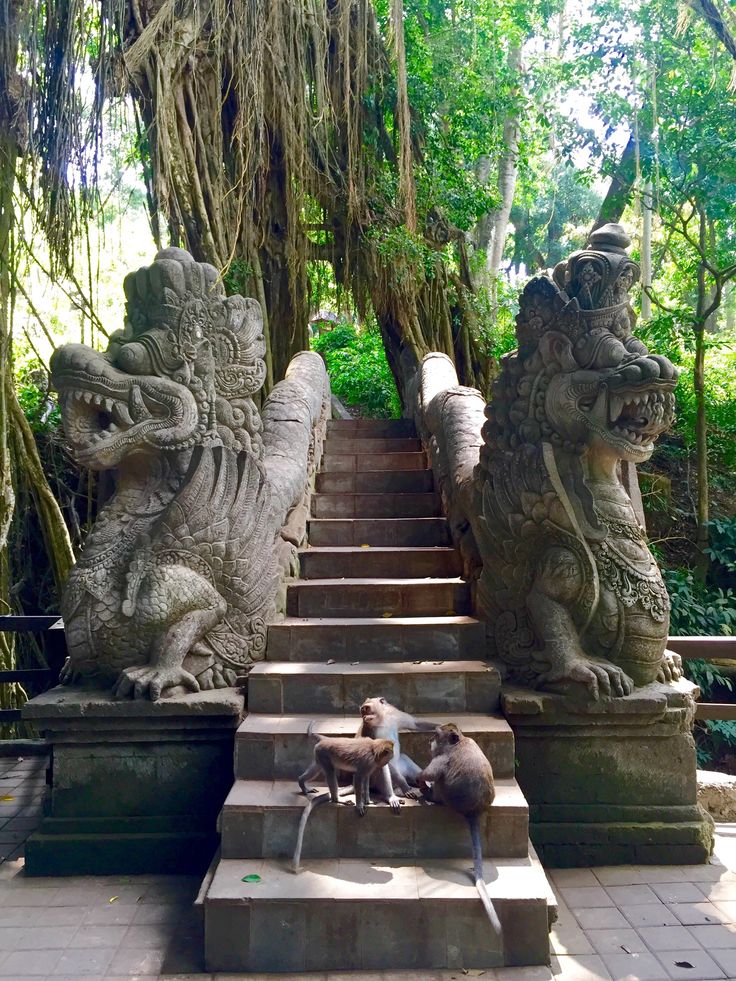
(260, 819)
(376, 597)
(361, 445)
(375, 505)
(356, 914)
(376, 481)
(371, 639)
(276, 747)
(378, 531)
(364, 462)
(353, 562)
(298, 687)
(371, 427)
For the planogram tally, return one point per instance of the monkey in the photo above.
(462, 778)
(359, 756)
(381, 720)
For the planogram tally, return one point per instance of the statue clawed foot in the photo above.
(152, 681)
(67, 675)
(671, 668)
(217, 676)
(600, 677)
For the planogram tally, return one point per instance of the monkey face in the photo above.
(386, 752)
(372, 709)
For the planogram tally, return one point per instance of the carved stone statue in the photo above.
(176, 582)
(572, 594)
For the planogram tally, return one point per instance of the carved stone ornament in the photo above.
(573, 596)
(177, 579)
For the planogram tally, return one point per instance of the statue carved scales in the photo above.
(177, 580)
(570, 589)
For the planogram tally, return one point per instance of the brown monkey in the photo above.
(361, 757)
(462, 778)
(381, 720)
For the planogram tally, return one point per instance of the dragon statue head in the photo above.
(182, 371)
(580, 379)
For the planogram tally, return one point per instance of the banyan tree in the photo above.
(276, 134)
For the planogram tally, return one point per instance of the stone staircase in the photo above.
(380, 609)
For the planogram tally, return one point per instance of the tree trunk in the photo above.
(646, 251)
(621, 187)
(701, 418)
(9, 694)
(493, 228)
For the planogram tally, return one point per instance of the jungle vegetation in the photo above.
(404, 166)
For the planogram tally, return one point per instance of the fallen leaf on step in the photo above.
(365, 546)
(112, 899)
(253, 877)
(7, 797)
(417, 662)
(438, 662)
(355, 662)
(386, 615)
(450, 613)
(331, 660)
(683, 964)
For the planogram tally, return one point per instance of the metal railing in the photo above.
(52, 627)
(708, 649)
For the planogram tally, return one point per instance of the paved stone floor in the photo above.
(619, 924)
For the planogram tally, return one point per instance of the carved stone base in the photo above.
(133, 786)
(612, 782)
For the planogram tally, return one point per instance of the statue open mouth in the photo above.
(642, 416)
(109, 414)
(628, 413)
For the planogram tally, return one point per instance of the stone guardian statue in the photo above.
(177, 579)
(573, 596)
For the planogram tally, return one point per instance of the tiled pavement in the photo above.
(618, 924)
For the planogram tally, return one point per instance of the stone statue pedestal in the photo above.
(134, 786)
(610, 782)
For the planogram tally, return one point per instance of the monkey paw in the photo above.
(152, 681)
(394, 803)
(671, 667)
(413, 793)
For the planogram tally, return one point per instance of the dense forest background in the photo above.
(383, 175)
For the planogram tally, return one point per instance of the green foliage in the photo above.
(713, 739)
(723, 542)
(236, 277)
(707, 676)
(408, 253)
(697, 608)
(671, 334)
(39, 407)
(498, 336)
(552, 214)
(358, 369)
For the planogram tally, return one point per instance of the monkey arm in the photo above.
(388, 789)
(431, 773)
(408, 722)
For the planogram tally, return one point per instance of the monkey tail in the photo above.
(480, 883)
(310, 731)
(308, 807)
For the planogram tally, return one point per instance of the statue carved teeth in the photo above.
(120, 414)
